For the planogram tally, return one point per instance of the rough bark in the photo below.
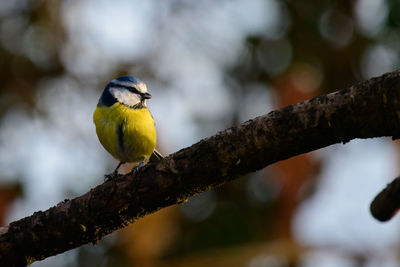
(366, 110)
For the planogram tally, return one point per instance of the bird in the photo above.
(124, 124)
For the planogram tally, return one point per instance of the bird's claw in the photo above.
(110, 176)
(136, 168)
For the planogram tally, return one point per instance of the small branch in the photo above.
(369, 109)
(387, 202)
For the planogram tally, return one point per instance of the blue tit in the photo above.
(124, 124)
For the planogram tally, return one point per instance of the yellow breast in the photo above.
(127, 134)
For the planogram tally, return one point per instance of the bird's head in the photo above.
(126, 90)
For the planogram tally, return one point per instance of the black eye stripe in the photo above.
(132, 89)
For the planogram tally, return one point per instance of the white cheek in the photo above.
(125, 96)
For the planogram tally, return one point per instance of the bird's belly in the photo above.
(127, 134)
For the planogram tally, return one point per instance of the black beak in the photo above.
(146, 96)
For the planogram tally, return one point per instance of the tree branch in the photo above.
(369, 109)
(386, 204)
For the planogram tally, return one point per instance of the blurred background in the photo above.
(209, 65)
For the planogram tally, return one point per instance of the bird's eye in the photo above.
(134, 90)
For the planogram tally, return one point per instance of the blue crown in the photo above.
(128, 79)
(129, 82)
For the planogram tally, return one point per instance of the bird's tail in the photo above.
(156, 156)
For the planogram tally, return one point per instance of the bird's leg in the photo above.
(110, 176)
(136, 168)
